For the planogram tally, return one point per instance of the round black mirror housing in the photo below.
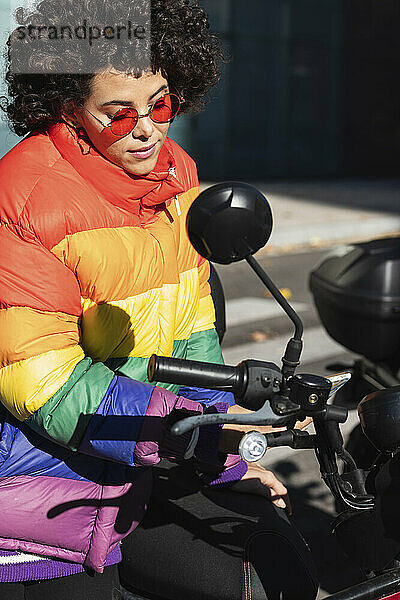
(229, 221)
(379, 414)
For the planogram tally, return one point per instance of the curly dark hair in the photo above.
(182, 48)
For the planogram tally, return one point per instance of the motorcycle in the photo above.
(279, 397)
(356, 291)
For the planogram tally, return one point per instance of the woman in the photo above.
(97, 275)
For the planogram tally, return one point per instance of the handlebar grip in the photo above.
(194, 373)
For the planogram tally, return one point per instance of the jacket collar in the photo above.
(144, 195)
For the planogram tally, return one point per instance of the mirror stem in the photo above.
(293, 350)
(293, 316)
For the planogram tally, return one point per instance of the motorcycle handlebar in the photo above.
(196, 373)
(252, 382)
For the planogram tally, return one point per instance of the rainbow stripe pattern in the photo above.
(96, 274)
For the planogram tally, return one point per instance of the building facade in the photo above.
(309, 90)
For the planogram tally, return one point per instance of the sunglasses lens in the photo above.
(165, 109)
(124, 121)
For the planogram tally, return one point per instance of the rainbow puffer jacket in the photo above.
(96, 275)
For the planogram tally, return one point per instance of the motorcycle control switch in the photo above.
(310, 391)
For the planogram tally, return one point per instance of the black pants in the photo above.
(104, 586)
(214, 545)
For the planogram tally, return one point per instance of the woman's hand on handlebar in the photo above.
(264, 483)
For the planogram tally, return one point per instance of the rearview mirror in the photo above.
(229, 221)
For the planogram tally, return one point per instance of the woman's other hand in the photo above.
(264, 483)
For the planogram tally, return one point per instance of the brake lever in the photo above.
(279, 417)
